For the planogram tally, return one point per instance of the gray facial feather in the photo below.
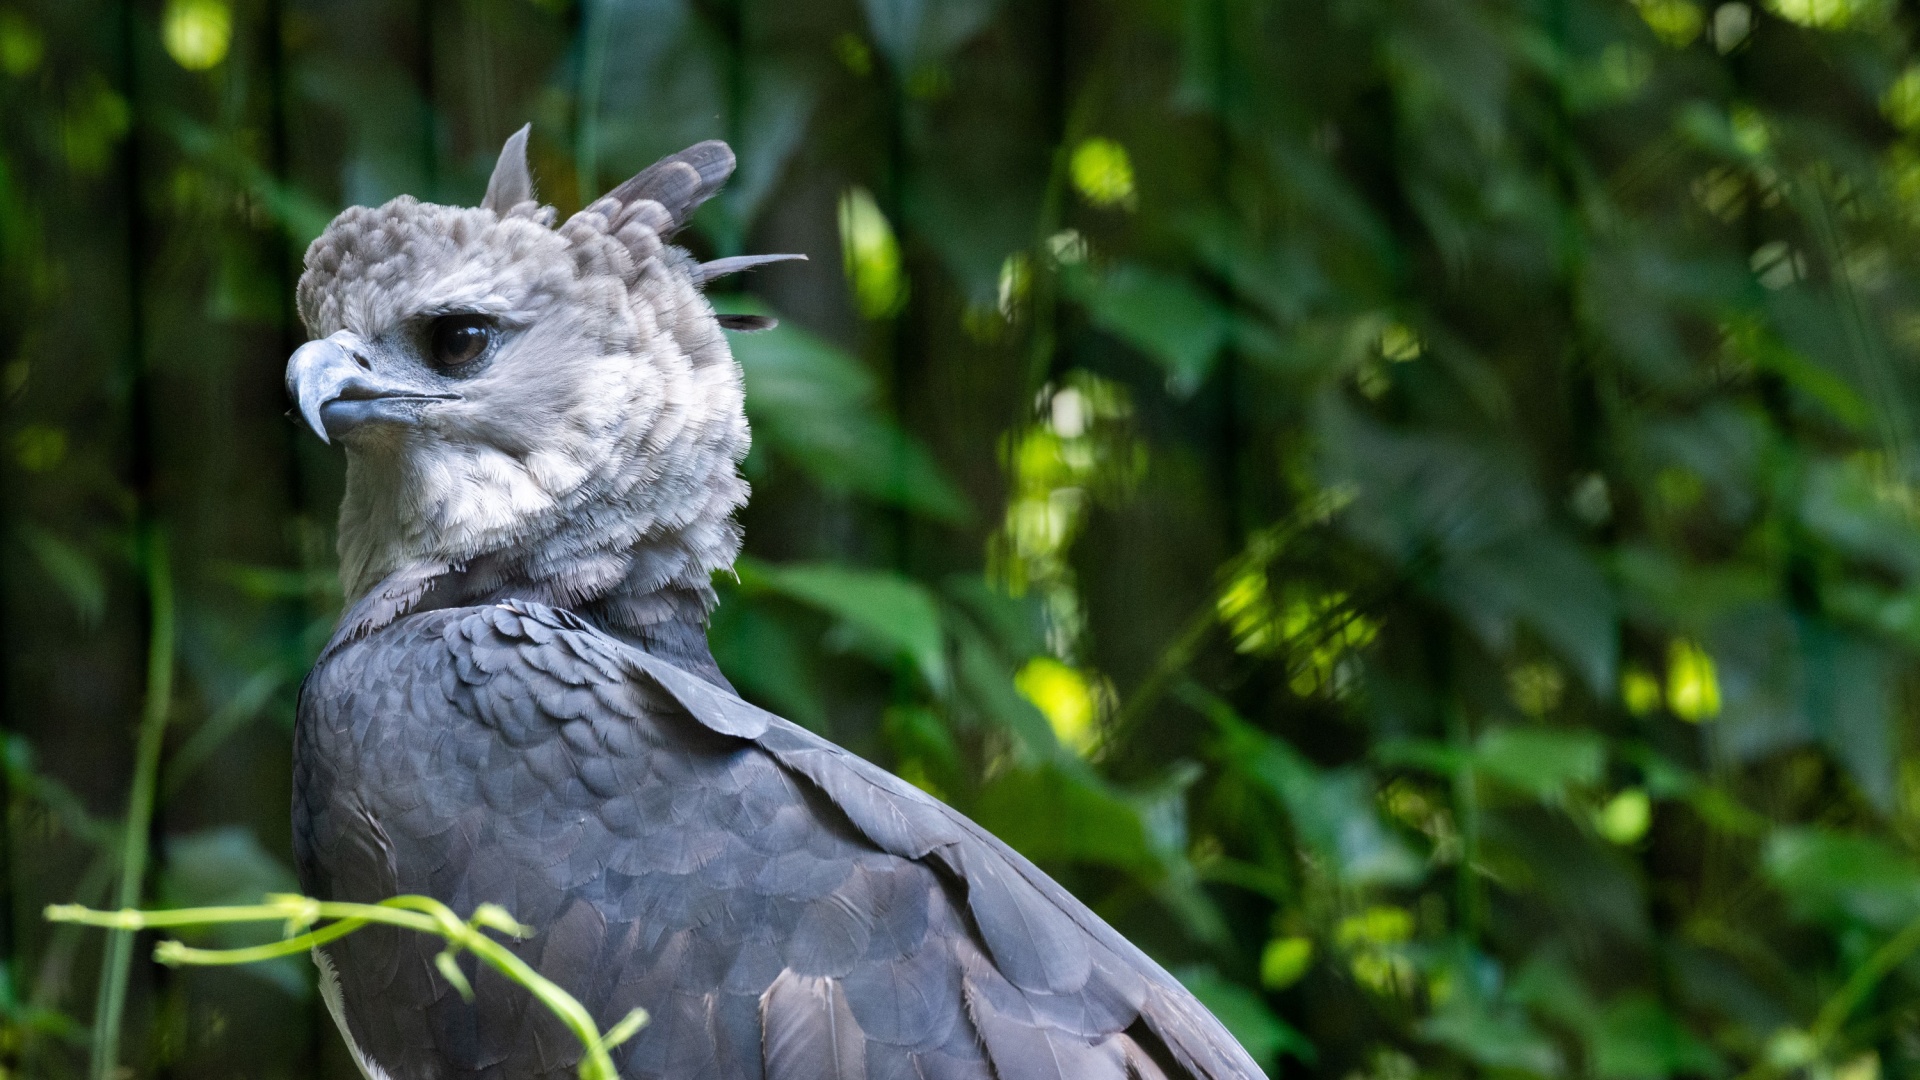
(594, 455)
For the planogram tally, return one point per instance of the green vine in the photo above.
(302, 914)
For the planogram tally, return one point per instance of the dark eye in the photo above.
(458, 339)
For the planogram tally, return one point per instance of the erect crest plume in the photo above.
(512, 182)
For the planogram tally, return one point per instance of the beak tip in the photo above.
(315, 373)
(310, 412)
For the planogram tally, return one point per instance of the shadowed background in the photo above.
(1407, 507)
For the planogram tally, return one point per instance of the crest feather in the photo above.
(512, 182)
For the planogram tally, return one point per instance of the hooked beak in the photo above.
(334, 386)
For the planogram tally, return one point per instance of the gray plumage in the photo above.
(519, 706)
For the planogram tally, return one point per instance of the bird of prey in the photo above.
(543, 430)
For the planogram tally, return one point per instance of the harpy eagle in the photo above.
(543, 430)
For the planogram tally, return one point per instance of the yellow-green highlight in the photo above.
(1676, 22)
(1901, 102)
(1625, 818)
(1831, 14)
(871, 256)
(1639, 691)
(1285, 961)
(1065, 696)
(1103, 173)
(1693, 688)
(21, 45)
(197, 33)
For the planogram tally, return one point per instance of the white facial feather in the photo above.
(598, 447)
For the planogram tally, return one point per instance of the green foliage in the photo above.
(1409, 507)
(815, 404)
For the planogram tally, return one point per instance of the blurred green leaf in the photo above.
(915, 33)
(1637, 1039)
(72, 571)
(1166, 317)
(1544, 762)
(1497, 1038)
(766, 658)
(1052, 813)
(1835, 875)
(815, 406)
(922, 741)
(1332, 809)
(1284, 961)
(986, 680)
(895, 614)
(1265, 1036)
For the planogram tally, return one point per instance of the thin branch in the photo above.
(116, 964)
(418, 913)
(1261, 549)
(1861, 983)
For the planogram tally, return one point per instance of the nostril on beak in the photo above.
(365, 364)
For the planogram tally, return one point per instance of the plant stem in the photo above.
(1260, 550)
(1861, 983)
(117, 962)
(1466, 809)
(1826, 1025)
(418, 913)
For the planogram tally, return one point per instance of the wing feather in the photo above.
(782, 906)
(808, 1030)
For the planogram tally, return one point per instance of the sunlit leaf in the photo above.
(1102, 172)
(1284, 961)
(1624, 819)
(1830, 14)
(1693, 688)
(871, 256)
(1068, 699)
(1676, 22)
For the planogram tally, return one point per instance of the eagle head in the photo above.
(556, 406)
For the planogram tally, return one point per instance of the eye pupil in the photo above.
(459, 339)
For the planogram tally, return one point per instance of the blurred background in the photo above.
(1410, 508)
